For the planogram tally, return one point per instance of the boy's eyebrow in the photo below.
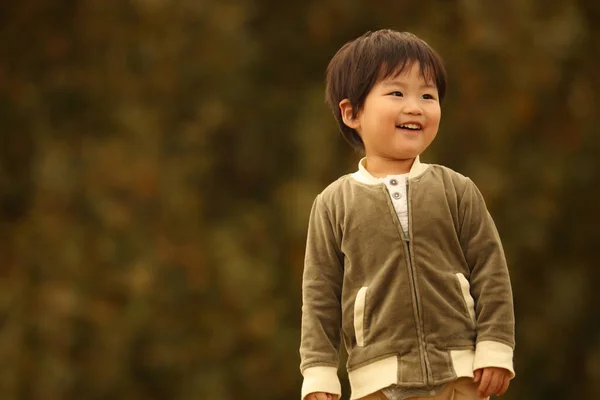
(392, 82)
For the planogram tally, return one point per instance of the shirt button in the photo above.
(433, 392)
(396, 195)
(393, 182)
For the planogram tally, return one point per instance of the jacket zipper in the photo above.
(420, 329)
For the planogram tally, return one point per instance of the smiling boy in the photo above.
(403, 260)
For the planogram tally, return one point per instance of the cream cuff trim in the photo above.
(321, 379)
(494, 354)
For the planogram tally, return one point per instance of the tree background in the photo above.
(158, 161)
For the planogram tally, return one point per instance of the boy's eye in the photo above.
(428, 97)
(398, 94)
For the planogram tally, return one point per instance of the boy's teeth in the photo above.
(410, 126)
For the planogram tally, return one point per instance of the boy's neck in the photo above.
(381, 167)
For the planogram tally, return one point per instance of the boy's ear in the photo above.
(347, 114)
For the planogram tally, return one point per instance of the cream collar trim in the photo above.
(362, 175)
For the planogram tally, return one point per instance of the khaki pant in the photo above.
(461, 389)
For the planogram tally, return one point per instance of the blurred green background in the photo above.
(158, 161)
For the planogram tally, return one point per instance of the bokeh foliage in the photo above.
(158, 161)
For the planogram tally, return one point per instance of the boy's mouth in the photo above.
(411, 126)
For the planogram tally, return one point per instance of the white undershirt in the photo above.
(396, 185)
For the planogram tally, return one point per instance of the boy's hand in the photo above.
(321, 396)
(493, 381)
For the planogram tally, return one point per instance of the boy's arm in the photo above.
(321, 308)
(490, 283)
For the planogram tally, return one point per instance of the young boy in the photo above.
(403, 261)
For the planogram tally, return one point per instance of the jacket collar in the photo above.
(362, 175)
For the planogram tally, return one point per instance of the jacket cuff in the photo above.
(321, 379)
(494, 354)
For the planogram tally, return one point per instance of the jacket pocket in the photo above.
(465, 288)
(359, 316)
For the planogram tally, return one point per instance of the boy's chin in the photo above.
(406, 155)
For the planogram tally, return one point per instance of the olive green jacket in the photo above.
(414, 311)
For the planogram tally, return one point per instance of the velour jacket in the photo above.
(414, 310)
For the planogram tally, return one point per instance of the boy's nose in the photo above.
(411, 106)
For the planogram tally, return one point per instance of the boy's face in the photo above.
(400, 116)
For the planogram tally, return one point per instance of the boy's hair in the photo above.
(373, 57)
